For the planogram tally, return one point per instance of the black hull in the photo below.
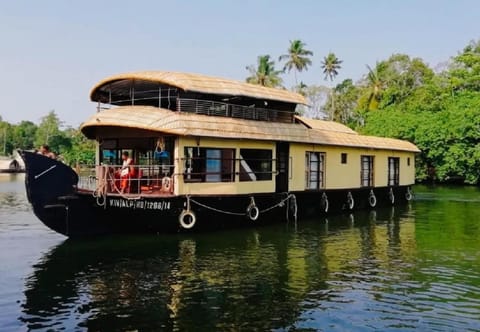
(66, 210)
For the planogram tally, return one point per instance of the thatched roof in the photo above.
(200, 83)
(190, 124)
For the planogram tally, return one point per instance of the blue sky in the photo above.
(53, 52)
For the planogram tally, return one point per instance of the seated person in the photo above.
(126, 173)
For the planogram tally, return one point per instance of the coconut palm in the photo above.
(264, 72)
(301, 88)
(331, 66)
(298, 58)
(374, 89)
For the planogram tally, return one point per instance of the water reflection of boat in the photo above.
(163, 284)
(208, 152)
(250, 279)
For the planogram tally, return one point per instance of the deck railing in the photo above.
(209, 107)
(214, 108)
(159, 179)
(136, 179)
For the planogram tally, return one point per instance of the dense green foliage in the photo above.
(71, 146)
(402, 97)
(440, 112)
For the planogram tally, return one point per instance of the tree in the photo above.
(346, 96)
(301, 88)
(264, 73)
(439, 112)
(464, 72)
(82, 150)
(393, 81)
(24, 135)
(316, 96)
(49, 126)
(6, 146)
(331, 66)
(49, 132)
(373, 88)
(298, 58)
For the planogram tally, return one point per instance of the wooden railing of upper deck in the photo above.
(210, 107)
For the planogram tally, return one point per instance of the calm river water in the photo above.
(415, 267)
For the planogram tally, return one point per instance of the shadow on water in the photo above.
(344, 272)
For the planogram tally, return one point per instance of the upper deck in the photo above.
(199, 94)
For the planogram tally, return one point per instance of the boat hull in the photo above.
(51, 189)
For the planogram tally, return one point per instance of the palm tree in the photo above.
(297, 57)
(375, 86)
(301, 88)
(331, 66)
(264, 73)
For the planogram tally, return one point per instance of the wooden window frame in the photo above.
(393, 171)
(256, 168)
(320, 170)
(198, 165)
(367, 174)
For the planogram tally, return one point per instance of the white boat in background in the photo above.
(11, 165)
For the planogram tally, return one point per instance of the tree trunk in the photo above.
(332, 96)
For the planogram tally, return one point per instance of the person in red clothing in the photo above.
(126, 172)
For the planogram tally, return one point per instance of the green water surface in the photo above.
(412, 267)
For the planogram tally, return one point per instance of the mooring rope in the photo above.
(215, 209)
(101, 191)
(279, 204)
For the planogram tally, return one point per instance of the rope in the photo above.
(101, 192)
(293, 199)
(279, 204)
(216, 210)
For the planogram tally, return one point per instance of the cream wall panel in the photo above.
(343, 176)
(337, 175)
(407, 172)
(221, 188)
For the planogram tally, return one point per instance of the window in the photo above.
(393, 171)
(408, 161)
(343, 158)
(366, 172)
(209, 165)
(110, 156)
(255, 165)
(314, 170)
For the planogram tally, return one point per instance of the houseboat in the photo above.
(178, 151)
